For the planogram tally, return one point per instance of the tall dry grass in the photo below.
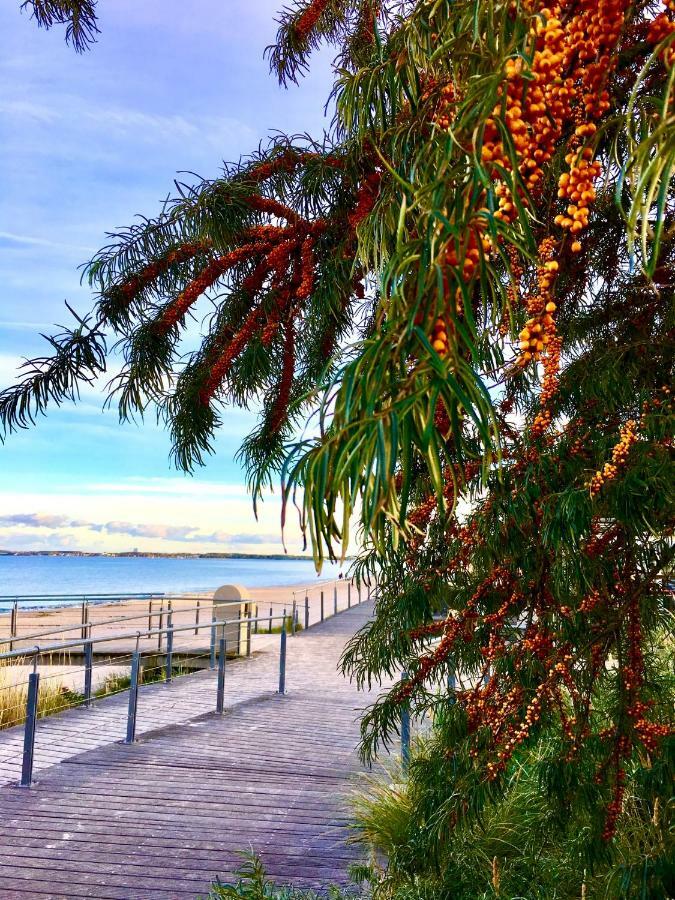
(53, 695)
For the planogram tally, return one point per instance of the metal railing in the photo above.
(355, 594)
(83, 602)
(161, 657)
(86, 626)
(217, 653)
(158, 606)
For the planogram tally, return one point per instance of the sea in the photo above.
(79, 575)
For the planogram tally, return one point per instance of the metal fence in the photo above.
(172, 637)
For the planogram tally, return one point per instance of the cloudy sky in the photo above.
(86, 143)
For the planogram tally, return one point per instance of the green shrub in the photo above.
(517, 845)
(252, 884)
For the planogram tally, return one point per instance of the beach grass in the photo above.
(53, 697)
(276, 629)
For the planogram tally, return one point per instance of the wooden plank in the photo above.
(163, 817)
(320, 854)
(184, 811)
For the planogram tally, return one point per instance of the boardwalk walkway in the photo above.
(163, 817)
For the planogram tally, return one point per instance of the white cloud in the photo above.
(76, 118)
(161, 532)
(211, 516)
(41, 242)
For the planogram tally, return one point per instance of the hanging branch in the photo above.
(79, 356)
(279, 411)
(78, 15)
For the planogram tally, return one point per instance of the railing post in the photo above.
(161, 624)
(169, 648)
(294, 617)
(452, 686)
(269, 630)
(306, 612)
(29, 728)
(149, 615)
(12, 623)
(349, 595)
(255, 624)
(335, 605)
(212, 650)
(322, 614)
(220, 695)
(249, 610)
(197, 617)
(88, 665)
(85, 618)
(133, 698)
(405, 730)
(282, 660)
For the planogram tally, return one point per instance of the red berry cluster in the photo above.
(366, 197)
(307, 22)
(134, 285)
(660, 30)
(223, 361)
(174, 313)
(280, 408)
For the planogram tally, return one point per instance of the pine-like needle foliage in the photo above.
(79, 17)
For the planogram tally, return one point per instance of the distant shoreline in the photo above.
(134, 555)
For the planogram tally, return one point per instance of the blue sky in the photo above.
(86, 143)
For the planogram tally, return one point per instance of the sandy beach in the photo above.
(129, 621)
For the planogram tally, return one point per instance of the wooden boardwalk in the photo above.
(163, 817)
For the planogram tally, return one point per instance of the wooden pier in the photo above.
(162, 818)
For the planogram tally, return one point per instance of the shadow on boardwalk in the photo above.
(165, 816)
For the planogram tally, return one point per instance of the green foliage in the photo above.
(369, 370)
(252, 884)
(520, 844)
(79, 17)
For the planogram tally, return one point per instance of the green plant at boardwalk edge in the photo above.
(253, 884)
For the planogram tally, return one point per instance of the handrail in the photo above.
(148, 595)
(85, 600)
(173, 629)
(121, 595)
(114, 620)
(216, 655)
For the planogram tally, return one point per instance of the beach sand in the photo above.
(131, 618)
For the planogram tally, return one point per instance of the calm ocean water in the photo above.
(107, 575)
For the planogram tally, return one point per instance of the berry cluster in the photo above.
(309, 18)
(222, 361)
(628, 436)
(540, 327)
(280, 408)
(130, 288)
(176, 310)
(660, 30)
(366, 196)
(445, 107)
(577, 186)
(439, 336)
